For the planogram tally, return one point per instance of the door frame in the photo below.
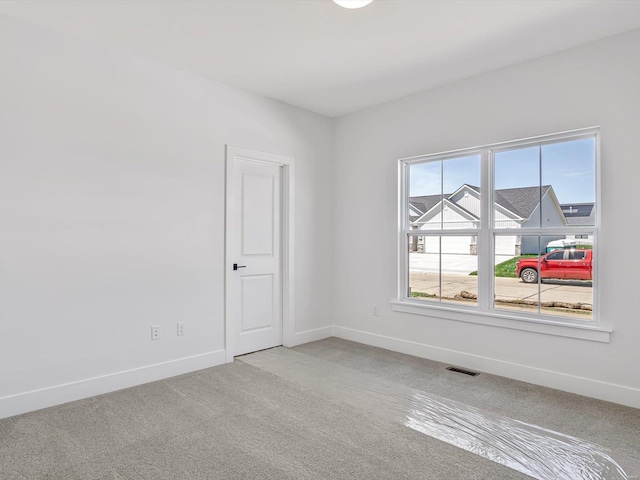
(287, 239)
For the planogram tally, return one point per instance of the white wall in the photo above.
(112, 209)
(112, 215)
(596, 84)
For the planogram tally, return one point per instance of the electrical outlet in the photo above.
(375, 310)
(181, 328)
(155, 332)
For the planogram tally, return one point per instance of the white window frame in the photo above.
(484, 312)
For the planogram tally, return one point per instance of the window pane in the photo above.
(425, 194)
(435, 275)
(517, 193)
(424, 268)
(568, 168)
(461, 205)
(557, 281)
(445, 194)
(511, 293)
(545, 186)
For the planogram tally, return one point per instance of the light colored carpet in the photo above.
(539, 452)
(614, 427)
(237, 421)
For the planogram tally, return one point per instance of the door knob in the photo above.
(236, 266)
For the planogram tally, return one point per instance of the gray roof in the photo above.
(477, 189)
(521, 201)
(425, 202)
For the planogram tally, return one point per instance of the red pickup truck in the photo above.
(573, 264)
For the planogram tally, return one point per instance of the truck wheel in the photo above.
(529, 275)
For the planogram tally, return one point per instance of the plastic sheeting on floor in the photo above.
(530, 449)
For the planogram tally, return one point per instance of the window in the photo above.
(556, 256)
(577, 254)
(506, 229)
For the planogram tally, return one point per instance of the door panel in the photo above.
(258, 225)
(578, 266)
(257, 302)
(554, 266)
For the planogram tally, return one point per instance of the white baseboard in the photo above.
(560, 381)
(310, 336)
(58, 394)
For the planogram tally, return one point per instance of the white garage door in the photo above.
(505, 245)
(457, 245)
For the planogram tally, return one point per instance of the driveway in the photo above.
(451, 263)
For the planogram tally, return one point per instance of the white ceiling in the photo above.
(331, 60)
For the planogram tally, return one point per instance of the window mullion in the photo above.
(404, 228)
(485, 270)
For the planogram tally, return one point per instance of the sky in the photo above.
(569, 167)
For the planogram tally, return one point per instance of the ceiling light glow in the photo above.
(353, 3)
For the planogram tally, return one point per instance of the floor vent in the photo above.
(462, 370)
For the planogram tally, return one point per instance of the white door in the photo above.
(254, 249)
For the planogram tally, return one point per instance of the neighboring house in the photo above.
(579, 214)
(514, 208)
(576, 214)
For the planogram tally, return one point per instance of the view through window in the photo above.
(522, 241)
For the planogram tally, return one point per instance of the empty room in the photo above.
(319, 239)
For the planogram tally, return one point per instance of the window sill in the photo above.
(494, 319)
